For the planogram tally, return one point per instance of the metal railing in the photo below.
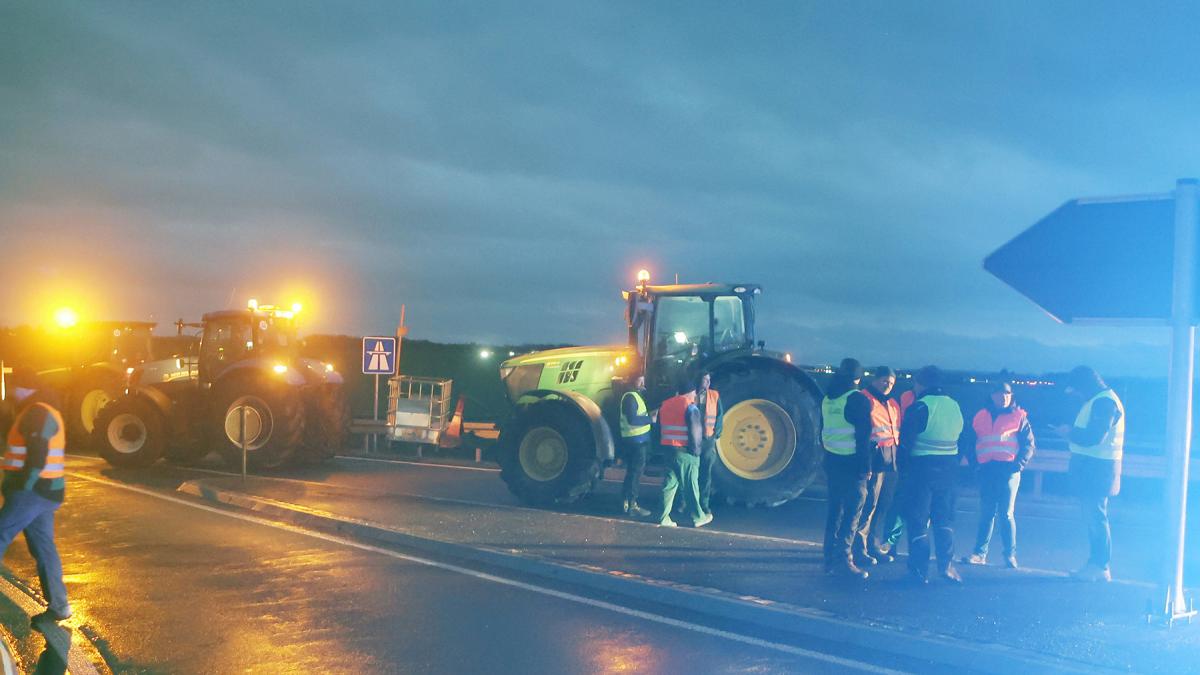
(425, 396)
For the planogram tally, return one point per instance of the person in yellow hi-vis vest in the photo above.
(1097, 443)
(846, 437)
(33, 486)
(928, 460)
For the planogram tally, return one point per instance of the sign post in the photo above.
(379, 358)
(1179, 399)
(1101, 260)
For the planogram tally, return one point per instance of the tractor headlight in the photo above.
(279, 368)
(329, 367)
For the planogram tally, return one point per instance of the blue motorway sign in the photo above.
(379, 355)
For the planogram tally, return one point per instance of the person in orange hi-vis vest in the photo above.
(1000, 443)
(33, 486)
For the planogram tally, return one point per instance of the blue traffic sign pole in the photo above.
(1179, 399)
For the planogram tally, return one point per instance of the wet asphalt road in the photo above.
(169, 587)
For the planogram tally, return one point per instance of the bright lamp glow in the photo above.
(681, 337)
(643, 276)
(252, 304)
(296, 307)
(280, 368)
(65, 317)
(484, 354)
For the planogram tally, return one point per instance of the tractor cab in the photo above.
(120, 343)
(673, 326)
(231, 336)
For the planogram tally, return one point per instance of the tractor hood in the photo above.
(587, 370)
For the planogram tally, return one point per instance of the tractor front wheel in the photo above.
(88, 395)
(547, 454)
(130, 432)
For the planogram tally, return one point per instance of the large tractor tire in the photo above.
(327, 424)
(547, 454)
(94, 389)
(274, 422)
(769, 450)
(130, 432)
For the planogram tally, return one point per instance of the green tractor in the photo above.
(563, 429)
(99, 354)
(247, 383)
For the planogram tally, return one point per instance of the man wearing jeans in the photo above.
(33, 487)
(1000, 442)
(1097, 443)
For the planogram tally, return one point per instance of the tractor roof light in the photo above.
(643, 278)
(65, 317)
(252, 304)
(296, 307)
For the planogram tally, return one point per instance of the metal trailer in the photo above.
(419, 409)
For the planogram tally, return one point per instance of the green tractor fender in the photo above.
(600, 430)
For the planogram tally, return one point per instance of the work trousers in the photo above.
(27, 511)
(682, 475)
(862, 533)
(927, 487)
(635, 465)
(998, 485)
(847, 494)
(708, 457)
(888, 524)
(1096, 480)
(1095, 514)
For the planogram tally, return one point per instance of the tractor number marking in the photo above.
(570, 372)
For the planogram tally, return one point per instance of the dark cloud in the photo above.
(502, 169)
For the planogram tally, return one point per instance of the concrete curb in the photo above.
(78, 662)
(800, 622)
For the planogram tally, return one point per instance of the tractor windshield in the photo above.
(690, 327)
(275, 335)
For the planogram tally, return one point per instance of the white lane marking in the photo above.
(562, 595)
(425, 464)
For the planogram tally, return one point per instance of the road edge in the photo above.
(786, 619)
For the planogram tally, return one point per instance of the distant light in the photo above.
(129, 371)
(485, 354)
(787, 357)
(296, 307)
(512, 353)
(972, 380)
(252, 304)
(279, 368)
(249, 344)
(66, 317)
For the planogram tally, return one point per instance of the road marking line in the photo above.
(411, 463)
(562, 595)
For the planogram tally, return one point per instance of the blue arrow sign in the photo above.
(379, 356)
(1095, 259)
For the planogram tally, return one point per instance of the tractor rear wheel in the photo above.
(769, 449)
(547, 454)
(89, 394)
(274, 427)
(327, 424)
(130, 432)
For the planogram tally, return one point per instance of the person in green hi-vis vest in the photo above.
(929, 435)
(1097, 443)
(846, 437)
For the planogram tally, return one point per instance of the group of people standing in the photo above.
(689, 426)
(892, 463)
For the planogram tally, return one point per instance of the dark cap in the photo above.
(1002, 385)
(850, 369)
(929, 376)
(1085, 379)
(882, 371)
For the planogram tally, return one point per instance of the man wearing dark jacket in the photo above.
(884, 414)
(1097, 443)
(34, 485)
(1000, 443)
(682, 431)
(635, 439)
(928, 458)
(846, 436)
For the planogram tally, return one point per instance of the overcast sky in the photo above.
(504, 169)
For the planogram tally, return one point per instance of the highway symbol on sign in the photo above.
(379, 356)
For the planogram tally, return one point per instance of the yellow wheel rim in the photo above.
(759, 439)
(543, 454)
(90, 406)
